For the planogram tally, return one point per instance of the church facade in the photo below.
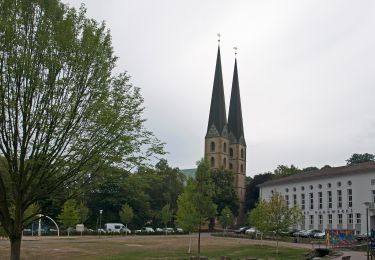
(225, 146)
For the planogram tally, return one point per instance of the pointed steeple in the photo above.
(235, 124)
(218, 116)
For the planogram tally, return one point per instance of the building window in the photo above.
(320, 219)
(330, 219)
(225, 162)
(373, 182)
(350, 218)
(349, 183)
(302, 188)
(339, 216)
(302, 201)
(294, 188)
(339, 184)
(329, 193)
(231, 152)
(311, 219)
(294, 199)
(303, 221)
(320, 195)
(311, 187)
(339, 198)
(242, 154)
(320, 186)
(358, 218)
(225, 147)
(329, 185)
(241, 168)
(212, 146)
(212, 162)
(287, 200)
(373, 196)
(350, 198)
(286, 189)
(311, 200)
(230, 166)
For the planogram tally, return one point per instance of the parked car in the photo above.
(251, 230)
(168, 230)
(113, 227)
(320, 235)
(241, 230)
(310, 233)
(159, 230)
(289, 231)
(126, 230)
(299, 233)
(145, 230)
(179, 230)
(361, 237)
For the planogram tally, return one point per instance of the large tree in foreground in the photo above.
(63, 113)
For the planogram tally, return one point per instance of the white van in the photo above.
(114, 227)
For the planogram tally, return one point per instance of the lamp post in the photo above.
(100, 222)
(367, 204)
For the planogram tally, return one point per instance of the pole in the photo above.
(367, 235)
(40, 226)
(100, 222)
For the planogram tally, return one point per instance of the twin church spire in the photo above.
(217, 121)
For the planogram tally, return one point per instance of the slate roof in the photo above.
(218, 115)
(324, 173)
(235, 123)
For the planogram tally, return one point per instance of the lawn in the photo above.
(146, 247)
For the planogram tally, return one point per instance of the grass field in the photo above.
(146, 247)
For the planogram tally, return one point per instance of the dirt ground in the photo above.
(94, 248)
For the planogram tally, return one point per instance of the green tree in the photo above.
(360, 158)
(126, 215)
(202, 197)
(166, 215)
(274, 216)
(187, 215)
(252, 189)
(83, 212)
(69, 215)
(226, 218)
(284, 170)
(64, 113)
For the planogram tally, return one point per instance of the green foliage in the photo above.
(83, 212)
(226, 218)
(126, 214)
(252, 189)
(284, 170)
(187, 215)
(69, 215)
(274, 215)
(166, 214)
(224, 193)
(360, 158)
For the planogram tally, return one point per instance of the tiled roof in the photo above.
(323, 173)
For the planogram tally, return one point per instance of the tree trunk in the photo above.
(199, 240)
(277, 247)
(189, 250)
(15, 248)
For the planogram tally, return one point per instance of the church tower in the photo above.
(225, 146)
(237, 146)
(216, 140)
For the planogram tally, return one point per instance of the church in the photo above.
(225, 146)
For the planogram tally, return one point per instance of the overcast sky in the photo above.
(306, 73)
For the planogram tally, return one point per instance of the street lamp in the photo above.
(367, 204)
(100, 222)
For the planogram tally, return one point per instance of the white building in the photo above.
(331, 198)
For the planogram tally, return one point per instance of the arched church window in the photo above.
(225, 147)
(212, 162)
(225, 162)
(241, 168)
(212, 146)
(231, 152)
(242, 154)
(230, 166)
